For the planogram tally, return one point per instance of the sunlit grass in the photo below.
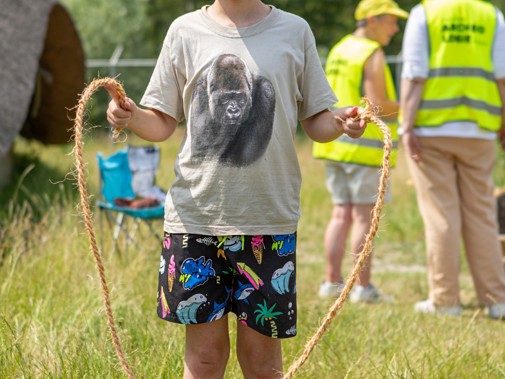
(52, 320)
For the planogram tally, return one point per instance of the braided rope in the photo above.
(86, 212)
(369, 114)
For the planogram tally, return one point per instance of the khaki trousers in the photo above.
(454, 188)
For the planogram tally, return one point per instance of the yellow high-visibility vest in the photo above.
(344, 70)
(461, 84)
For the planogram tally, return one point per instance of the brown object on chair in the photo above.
(139, 203)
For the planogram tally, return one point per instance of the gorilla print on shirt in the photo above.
(232, 113)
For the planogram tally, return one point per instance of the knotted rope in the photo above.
(86, 212)
(368, 114)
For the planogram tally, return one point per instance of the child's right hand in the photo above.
(119, 113)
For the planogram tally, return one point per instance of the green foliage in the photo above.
(330, 20)
(161, 13)
(104, 25)
(141, 25)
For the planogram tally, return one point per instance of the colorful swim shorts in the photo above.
(202, 278)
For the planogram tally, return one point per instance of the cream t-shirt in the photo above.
(240, 93)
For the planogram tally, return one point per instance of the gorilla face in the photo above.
(232, 113)
(230, 107)
(229, 90)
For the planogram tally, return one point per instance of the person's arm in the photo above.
(328, 125)
(374, 85)
(411, 96)
(149, 124)
(499, 69)
(501, 133)
(415, 52)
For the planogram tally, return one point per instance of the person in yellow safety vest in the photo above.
(452, 94)
(356, 66)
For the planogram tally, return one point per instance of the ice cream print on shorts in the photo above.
(202, 278)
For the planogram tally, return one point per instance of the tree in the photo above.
(141, 25)
(103, 25)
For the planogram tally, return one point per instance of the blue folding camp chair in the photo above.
(118, 197)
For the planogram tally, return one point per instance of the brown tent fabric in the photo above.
(38, 44)
(60, 80)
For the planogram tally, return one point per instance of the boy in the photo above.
(240, 73)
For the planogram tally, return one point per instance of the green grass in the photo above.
(52, 320)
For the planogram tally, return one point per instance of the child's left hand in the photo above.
(348, 121)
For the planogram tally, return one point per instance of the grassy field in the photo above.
(52, 320)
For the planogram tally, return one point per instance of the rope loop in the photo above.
(86, 211)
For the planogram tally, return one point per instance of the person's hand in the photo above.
(348, 121)
(119, 113)
(412, 145)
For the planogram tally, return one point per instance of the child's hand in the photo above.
(348, 121)
(120, 112)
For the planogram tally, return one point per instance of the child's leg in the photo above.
(207, 350)
(259, 356)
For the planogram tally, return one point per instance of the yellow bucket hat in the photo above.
(370, 8)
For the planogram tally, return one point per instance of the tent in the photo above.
(42, 71)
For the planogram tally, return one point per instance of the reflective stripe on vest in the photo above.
(461, 84)
(344, 70)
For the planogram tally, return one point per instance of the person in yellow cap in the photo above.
(357, 67)
(452, 105)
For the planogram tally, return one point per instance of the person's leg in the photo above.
(361, 215)
(260, 357)
(207, 350)
(364, 186)
(193, 289)
(337, 229)
(439, 204)
(335, 240)
(480, 229)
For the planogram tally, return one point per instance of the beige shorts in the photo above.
(350, 183)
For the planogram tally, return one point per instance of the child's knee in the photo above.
(207, 360)
(260, 356)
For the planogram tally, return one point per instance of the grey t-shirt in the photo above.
(240, 93)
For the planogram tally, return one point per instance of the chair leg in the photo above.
(122, 227)
(117, 225)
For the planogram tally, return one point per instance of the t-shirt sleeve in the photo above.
(415, 49)
(164, 91)
(317, 95)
